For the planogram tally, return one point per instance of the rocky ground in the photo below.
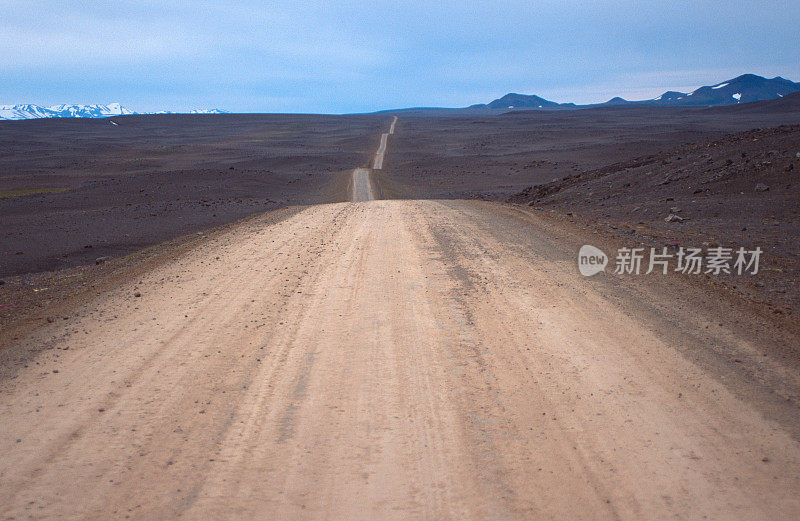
(499, 156)
(75, 190)
(740, 190)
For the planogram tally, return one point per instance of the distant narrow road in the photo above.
(362, 186)
(362, 189)
(397, 360)
(378, 163)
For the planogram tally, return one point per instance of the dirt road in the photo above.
(377, 164)
(393, 360)
(399, 360)
(362, 185)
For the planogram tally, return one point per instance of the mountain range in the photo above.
(30, 111)
(742, 89)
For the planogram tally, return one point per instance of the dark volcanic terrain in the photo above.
(742, 189)
(497, 156)
(108, 187)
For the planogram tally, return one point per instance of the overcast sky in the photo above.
(295, 56)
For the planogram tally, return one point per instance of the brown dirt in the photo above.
(399, 359)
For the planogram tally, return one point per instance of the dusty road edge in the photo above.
(742, 372)
(36, 299)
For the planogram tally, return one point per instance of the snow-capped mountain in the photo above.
(193, 111)
(23, 112)
(742, 89)
(207, 111)
(62, 111)
(79, 111)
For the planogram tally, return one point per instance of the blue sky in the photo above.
(294, 56)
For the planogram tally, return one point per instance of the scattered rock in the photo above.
(101, 260)
(674, 218)
(674, 209)
(761, 187)
(137, 294)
